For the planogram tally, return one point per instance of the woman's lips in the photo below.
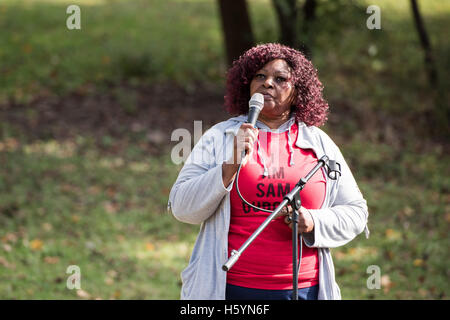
(267, 96)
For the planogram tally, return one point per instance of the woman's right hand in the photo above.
(244, 140)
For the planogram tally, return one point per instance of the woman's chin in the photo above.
(269, 104)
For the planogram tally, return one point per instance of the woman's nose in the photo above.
(268, 83)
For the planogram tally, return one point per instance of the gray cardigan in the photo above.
(199, 197)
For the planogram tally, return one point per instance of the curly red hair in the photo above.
(309, 105)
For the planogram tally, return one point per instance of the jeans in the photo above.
(241, 293)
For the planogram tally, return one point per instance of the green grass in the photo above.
(409, 222)
(67, 204)
(40, 56)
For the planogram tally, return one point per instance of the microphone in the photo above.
(255, 104)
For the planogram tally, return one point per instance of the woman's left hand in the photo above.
(305, 220)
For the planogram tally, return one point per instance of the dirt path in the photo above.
(151, 112)
(148, 116)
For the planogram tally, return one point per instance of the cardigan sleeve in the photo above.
(199, 188)
(345, 217)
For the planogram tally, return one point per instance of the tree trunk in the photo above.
(309, 15)
(309, 10)
(236, 26)
(287, 15)
(425, 42)
(439, 116)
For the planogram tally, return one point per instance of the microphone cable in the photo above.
(300, 246)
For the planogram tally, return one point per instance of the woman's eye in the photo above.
(259, 76)
(281, 79)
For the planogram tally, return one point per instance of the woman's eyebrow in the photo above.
(286, 72)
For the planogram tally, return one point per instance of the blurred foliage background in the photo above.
(86, 118)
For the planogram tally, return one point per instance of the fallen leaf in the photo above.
(111, 191)
(36, 245)
(106, 60)
(90, 245)
(4, 262)
(110, 207)
(94, 190)
(149, 246)
(116, 294)
(83, 294)
(423, 292)
(47, 226)
(51, 260)
(408, 211)
(68, 188)
(112, 273)
(339, 255)
(392, 234)
(390, 254)
(418, 262)
(9, 237)
(156, 137)
(386, 283)
(27, 48)
(447, 217)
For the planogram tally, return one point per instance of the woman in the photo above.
(284, 147)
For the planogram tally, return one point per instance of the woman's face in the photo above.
(273, 81)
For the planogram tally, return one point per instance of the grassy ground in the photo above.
(40, 56)
(68, 204)
(79, 201)
(71, 204)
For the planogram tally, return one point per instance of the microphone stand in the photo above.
(292, 198)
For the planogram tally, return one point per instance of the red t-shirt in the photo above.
(267, 262)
